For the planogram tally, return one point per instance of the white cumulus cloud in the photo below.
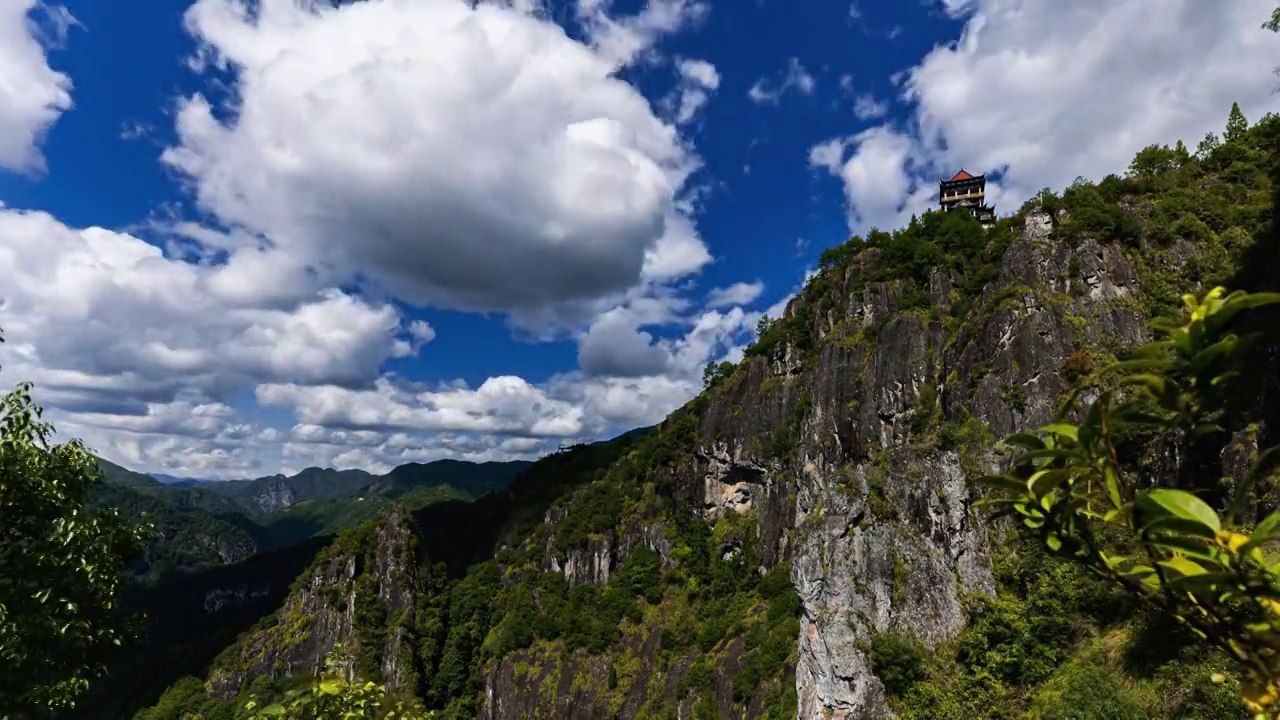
(103, 321)
(32, 94)
(1047, 91)
(741, 293)
(468, 157)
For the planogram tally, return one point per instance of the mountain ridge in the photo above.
(800, 540)
(204, 524)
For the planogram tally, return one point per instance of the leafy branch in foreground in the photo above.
(1067, 481)
(62, 565)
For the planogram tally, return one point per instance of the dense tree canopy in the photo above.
(62, 563)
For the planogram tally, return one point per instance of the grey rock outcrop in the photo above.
(320, 615)
(866, 498)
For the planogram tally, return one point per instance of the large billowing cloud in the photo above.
(1048, 91)
(139, 354)
(426, 151)
(103, 321)
(32, 94)
(470, 157)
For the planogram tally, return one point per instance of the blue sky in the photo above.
(409, 229)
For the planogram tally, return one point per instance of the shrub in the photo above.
(899, 661)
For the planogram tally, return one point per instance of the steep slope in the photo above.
(187, 537)
(187, 619)
(331, 600)
(799, 540)
(845, 439)
(118, 475)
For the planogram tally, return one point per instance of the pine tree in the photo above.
(1236, 125)
(1207, 146)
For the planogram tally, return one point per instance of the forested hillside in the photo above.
(447, 539)
(203, 524)
(800, 540)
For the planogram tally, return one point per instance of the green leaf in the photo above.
(1267, 530)
(1003, 482)
(1062, 429)
(1183, 566)
(1187, 545)
(1046, 481)
(1138, 414)
(1154, 383)
(1200, 583)
(1166, 526)
(1225, 346)
(1047, 454)
(1239, 301)
(1025, 440)
(330, 686)
(1111, 479)
(1199, 518)
(1144, 363)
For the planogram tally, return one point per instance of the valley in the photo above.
(205, 524)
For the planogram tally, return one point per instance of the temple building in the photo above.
(967, 192)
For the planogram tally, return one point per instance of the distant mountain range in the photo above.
(202, 523)
(180, 481)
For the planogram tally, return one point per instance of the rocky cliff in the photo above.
(850, 462)
(800, 540)
(890, 414)
(358, 595)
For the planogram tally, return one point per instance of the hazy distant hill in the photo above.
(193, 530)
(203, 523)
(115, 474)
(179, 481)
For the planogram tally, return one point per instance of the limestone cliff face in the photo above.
(853, 460)
(880, 532)
(274, 495)
(325, 610)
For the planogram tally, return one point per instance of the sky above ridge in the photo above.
(239, 239)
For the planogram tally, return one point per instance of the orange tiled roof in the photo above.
(962, 175)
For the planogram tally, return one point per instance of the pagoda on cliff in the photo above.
(967, 192)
